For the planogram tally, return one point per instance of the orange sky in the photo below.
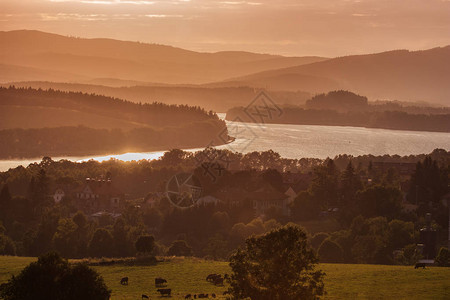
(290, 27)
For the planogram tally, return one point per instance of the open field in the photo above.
(342, 281)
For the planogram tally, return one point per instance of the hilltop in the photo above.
(34, 55)
(395, 75)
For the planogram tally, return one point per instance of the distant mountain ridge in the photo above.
(33, 55)
(395, 75)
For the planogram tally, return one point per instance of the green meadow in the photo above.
(342, 281)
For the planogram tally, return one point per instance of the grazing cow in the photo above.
(218, 281)
(195, 296)
(213, 295)
(226, 293)
(419, 265)
(144, 296)
(211, 277)
(164, 292)
(188, 296)
(124, 281)
(203, 295)
(160, 281)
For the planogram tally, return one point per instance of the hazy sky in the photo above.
(289, 27)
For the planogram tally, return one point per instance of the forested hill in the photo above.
(36, 123)
(344, 108)
(75, 108)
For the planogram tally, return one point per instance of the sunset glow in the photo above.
(288, 27)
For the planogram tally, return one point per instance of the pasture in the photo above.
(343, 281)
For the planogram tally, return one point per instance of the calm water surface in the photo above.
(297, 141)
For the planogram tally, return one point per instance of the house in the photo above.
(291, 194)
(58, 195)
(268, 197)
(208, 200)
(152, 199)
(99, 195)
(297, 181)
(233, 197)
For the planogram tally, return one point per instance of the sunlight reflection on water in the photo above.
(297, 141)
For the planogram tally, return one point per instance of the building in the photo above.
(58, 195)
(268, 197)
(208, 200)
(99, 195)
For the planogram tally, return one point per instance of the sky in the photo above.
(288, 27)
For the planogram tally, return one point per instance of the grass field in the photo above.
(186, 276)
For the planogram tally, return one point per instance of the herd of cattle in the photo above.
(215, 279)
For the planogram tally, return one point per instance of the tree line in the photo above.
(343, 108)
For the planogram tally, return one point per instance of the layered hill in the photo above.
(34, 55)
(395, 75)
(218, 99)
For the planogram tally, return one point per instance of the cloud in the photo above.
(107, 2)
(164, 16)
(80, 17)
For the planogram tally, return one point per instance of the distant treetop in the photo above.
(338, 100)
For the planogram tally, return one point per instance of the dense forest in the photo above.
(354, 210)
(343, 108)
(39, 122)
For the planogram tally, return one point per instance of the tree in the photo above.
(277, 265)
(52, 277)
(325, 188)
(180, 248)
(5, 203)
(119, 234)
(64, 239)
(7, 246)
(145, 244)
(350, 184)
(274, 178)
(217, 247)
(318, 238)
(379, 201)
(81, 234)
(101, 243)
(330, 251)
(443, 257)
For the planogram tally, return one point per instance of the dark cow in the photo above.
(211, 277)
(160, 281)
(124, 281)
(188, 296)
(144, 296)
(213, 295)
(203, 295)
(419, 265)
(226, 293)
(226, 276)
(218, 281)
(164, 292)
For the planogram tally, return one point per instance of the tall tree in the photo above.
(52, 277)
(5, 204)
(100, 244)
(278, 265)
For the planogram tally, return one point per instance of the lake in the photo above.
(297, 141)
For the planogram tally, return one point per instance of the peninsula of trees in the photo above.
(344, 108)
(35, 122)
